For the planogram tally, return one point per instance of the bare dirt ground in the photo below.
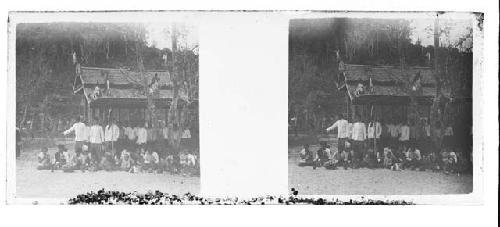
(33, 183)
(369, 182)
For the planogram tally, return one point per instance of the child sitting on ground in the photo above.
(369, 159)
(71, 163)
(107, 162)
(398, 159)
(308, 156)
(44, 160)
(148, 161)
(304, 152)
(406, 158)
(345, 156)
(84, 159)
(125, 161)
(452, 163)
(323, 155)
(60, 157)
(388, 157)
(334, 160)
(416, 159)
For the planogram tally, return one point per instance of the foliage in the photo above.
(317, 45)
(45, 69)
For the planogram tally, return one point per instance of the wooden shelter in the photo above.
(122, 94)
(385, 92)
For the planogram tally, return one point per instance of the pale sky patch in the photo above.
(423, 30)
(159, 35)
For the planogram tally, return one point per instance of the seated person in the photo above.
(44, 162)
(452, 164)
(444, 159)
(304, 151)
(380, 159)
(148, 161)
(191, 160)
(389, 158)
(346, 156)
(334, 160)
(60, 156)
(107, 161)
(168, 163)
(406, 160)
(71, 164)
(125, 161)
(309, 157)
(84, 159)
(416, 159)
(323, 155)
(369, 160)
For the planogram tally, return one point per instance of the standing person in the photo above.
(426, 137)
(358, 139)
(374, 132)
(142, 136)
(404, 138)
(151, 137)
(80, 134)
(342, 133)
(111, 134)
(448, 137)
(394, 132)
(164, 140)
(131, 137)
(437, 137)
(121, 138)
(96, 138)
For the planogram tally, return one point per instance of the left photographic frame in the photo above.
(103, 105)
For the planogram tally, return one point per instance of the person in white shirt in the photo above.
(164, 132)
(96, 137)
(358, 141)
(374, 132)
(404, 138)
(111, 134)
(131, 137)
(394, 131)
(142, 136)
(80, 134)
(342, 126)
(186, 136)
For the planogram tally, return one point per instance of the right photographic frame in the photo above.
(382, 105)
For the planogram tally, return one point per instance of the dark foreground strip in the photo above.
(103, 197)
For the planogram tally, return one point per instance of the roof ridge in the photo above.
(120, 69)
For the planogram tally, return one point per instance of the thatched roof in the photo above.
(389, 84)
(125, 86)
(387, 74)
(92, 76)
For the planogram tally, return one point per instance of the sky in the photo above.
(159, 32)
(159, 35)
(423, 30)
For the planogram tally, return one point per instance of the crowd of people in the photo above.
(123, 147)
(392, 145)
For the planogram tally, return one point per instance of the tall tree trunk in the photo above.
(173, 113)
(435, 113)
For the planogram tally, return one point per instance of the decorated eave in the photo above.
(126, 88)
(387, 85)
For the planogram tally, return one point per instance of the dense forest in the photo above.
(317, 45)
(45, 65)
